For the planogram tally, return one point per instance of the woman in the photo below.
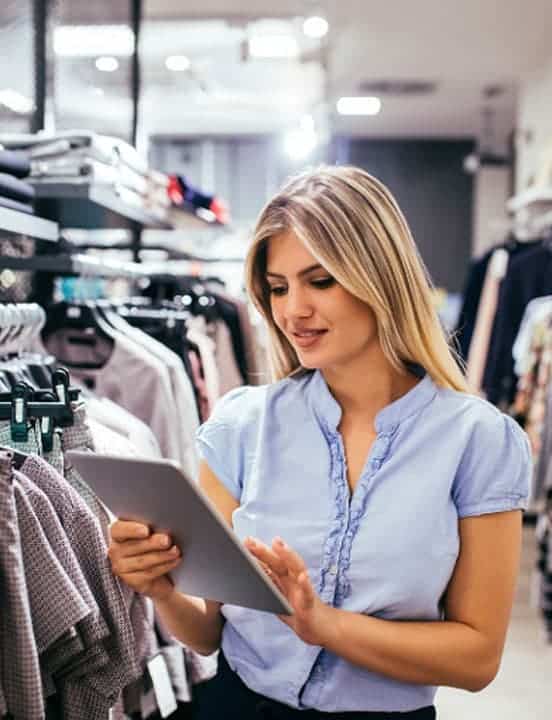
(382, 499)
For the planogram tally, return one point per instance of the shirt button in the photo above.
(333, 570)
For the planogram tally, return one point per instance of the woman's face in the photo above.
(326, 325)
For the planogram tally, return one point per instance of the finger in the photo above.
(267, 556)
(140, 563)
(138, 579)
(292, 560)
(307, 596)
(129, 548)
(122, 530)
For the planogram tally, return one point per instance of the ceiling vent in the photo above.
(397, 87)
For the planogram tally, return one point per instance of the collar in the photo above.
(388, 418)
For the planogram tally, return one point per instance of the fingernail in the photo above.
(143, 531)
(280, 542)
(164, 540)
(174, 550)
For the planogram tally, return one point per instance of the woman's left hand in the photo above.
(312, 619)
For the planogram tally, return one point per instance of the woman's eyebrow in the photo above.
(305, 271)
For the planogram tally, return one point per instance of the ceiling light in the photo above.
(273, 46)
(177, 63)
(91, 40)
(358, 105)
(299, 143)
(315, 27)
(107, 64)
(16, 102)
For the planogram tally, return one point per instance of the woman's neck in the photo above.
(363, 389)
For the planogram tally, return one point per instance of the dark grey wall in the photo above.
(433, 191)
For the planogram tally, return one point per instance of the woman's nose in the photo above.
(297, 304)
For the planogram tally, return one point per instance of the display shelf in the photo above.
(91, 205)
(531, 197)
(86, 265)
(21, 223)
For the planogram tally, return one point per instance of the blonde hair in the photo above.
(352, 225)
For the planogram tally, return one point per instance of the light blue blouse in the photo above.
(388, 550)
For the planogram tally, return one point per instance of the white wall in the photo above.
(490, 220)
(534, 136)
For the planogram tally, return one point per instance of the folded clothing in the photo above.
(14, 205)
(15, 189)
(14, 163)
(102, 147)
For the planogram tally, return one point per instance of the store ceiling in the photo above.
(461, 47)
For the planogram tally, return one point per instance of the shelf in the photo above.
(85, 265)
(21, 223)
(528, 198)
(90, 206)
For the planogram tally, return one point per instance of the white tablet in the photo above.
(215, 565)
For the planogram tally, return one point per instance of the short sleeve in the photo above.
(221, 439)
(495, 472)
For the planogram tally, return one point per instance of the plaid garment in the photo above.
(86, 539)
(56, 604)
(92, 629)
(20, 678)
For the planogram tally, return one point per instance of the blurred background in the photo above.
(205, 108)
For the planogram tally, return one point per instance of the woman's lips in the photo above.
(307, 338)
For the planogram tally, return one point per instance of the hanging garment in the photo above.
(86, 538)
(529, 276)
(535, 312)
(20, 680)
(131, 377)
(486, 312)
(228, 371)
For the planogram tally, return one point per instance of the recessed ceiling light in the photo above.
(177, 63)
(273, 46)
(316, 27)
(107, 64)
(358, 105)
(92, 40)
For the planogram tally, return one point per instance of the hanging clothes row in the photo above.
(505, 335)
(74, 642)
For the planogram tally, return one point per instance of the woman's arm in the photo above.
(142, 560)
(462, 651)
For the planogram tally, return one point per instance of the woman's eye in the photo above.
(278, 290)
(323, 282)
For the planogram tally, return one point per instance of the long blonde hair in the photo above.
(352, 225)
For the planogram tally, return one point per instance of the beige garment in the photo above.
(486, 312)
(197, 334)
(225, 358)
(113, 416)
(187, 418)
(131, 377)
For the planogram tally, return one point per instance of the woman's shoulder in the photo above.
(479, 420)
(246, 404)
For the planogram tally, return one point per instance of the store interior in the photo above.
(139, 141)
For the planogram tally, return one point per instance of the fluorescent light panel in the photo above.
(91, 40)
(273, 46)
(358, 105)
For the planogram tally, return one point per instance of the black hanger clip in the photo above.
(47, 424)
(21, 394)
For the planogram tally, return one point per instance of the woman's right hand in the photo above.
(142, 559)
